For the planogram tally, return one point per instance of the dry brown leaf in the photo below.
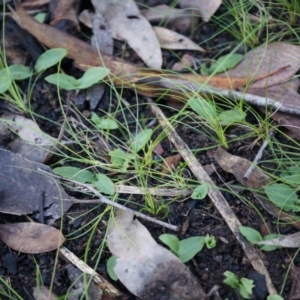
(31, 237)
(267, 58)
(65, 10)
(158, 149)
(238, 166)
(147, 269)
(286, 93)
(128, 24)
(170, 163)
(186, 62)
(206, 8)
(172, 40)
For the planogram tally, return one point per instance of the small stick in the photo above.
(103, 199)
(214, 193)
(258, 156)
(81, 265)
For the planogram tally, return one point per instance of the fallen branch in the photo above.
(215, 195)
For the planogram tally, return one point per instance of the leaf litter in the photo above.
(147, 269)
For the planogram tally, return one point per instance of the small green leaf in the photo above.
(283, 196)
(245, 288)
(120, 158)
(141, 140)
(210, 241)
(49, 58)
(110, 264)
(64, 81)
(231, 116)
(252, 235)
(200, 192)
(274, 297)
(189, 247)
(267, 238)
(19, 72)
(291, 175)
(204, 109)
(74, 173)
(231, 280)
(107, 124)
(171, 241)
(225, 62)
(41, 17)
(92, 76)
(104, 184)
(5, 81)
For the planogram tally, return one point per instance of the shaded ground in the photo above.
(195, 217)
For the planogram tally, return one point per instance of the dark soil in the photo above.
(194, 217)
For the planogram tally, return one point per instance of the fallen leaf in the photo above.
(172, 40)
(170, 163)
(31, 237)
(102, 38)
(287, 241)
(295, 290)
(65, 11)
(238, 166)
(23, 189)
(32, 142)
(147, 269)
(43, 293)
(158, 149)
(186, 62)
(266, 59)
(128, 24)
(164, 13)
(80, 286)
(287, 94)
(206, 8)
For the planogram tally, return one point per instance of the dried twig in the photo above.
(103, 199)
(214, 194)
(81, 265)
(185, 86)
(258, 156)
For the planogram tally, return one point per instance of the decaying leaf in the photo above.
(288, 241)
(31, 237)
(206, 8)
(295, 290)
(170, 163)
(127, 23)
(238, 166)
(24, 190)
(65, 11)
(267, 58)
(164, 13)
(147, 269)
(43, 293)
(102, 38)
(172, 40)
(32, 142)
(287, 94)
(80, 286)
